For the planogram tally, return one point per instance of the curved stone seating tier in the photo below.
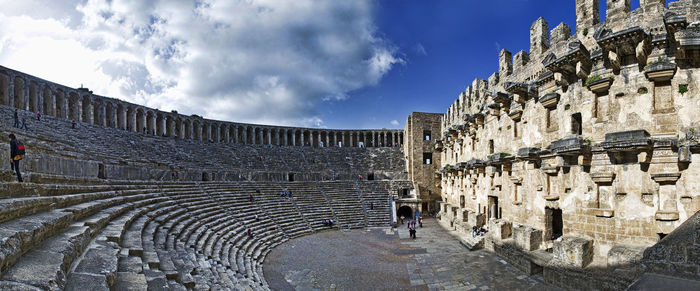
(165, 236)
(55, 148)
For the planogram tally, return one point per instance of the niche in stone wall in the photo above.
(663, 97)
(602, 103)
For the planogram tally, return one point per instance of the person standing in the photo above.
(72, 123)
(16, 118)
(412, 229)
(16, 154)
(38, 115)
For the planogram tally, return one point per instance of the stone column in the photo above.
(328, 144)
(294, 137)
(244, 138)
(374, 141)
(301, 138)
(269, 136)
(342, 139)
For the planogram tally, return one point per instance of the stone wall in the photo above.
(416, 145)
(590, 136)
(27, 92)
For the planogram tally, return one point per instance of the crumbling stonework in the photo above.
(590, 143)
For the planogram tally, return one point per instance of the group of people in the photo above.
(286, 193)
(477, 231)
(24, 120)
(328, 222)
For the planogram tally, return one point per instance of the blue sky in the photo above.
(314, 63)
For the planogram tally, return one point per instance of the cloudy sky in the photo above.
(316, 63)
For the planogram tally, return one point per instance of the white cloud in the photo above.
(259, 61)
(395, 122)
(420, 50)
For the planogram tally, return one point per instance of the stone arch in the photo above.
(188, 129)
(110, 113)
(97, 115)
(48, 101)
(197, 130)
(232, 134)
(85, 102)
(73, 106)
(131, 119)
(241, 135)
(33, 96)
(140, 120)
(160, 128)
(19, 93)
(5, 88)
(264, 132)
(224, 133)
(405, 211)
(206, 131)
(60, 104)
(150, 122)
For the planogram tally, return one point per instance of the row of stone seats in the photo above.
(157, 235)
(54, 135)
(39, 248)
(345, 200)
(375, 198)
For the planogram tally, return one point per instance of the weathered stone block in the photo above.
(526, 237)
(573, 251)
(619, 256)
(500, 229)
(477, 219)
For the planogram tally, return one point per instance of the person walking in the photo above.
(412, 229)
(16, 154)
(38, 115)
(24, 124)
(16, 118)
(72, 123)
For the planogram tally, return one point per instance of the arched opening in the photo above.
(130, 126)
(97, 113)
(109, 115)
(159, 130)
(60, 100)
(197, 130)
(188, 129)
(150, 123)
(121, 124)
(33, 96)
(4, 88)
(205, 131)
(73, 110)
(169, 126)
(47, 107)
(241, 135)
(140, 120)
(232, 134)
(405, 211)
(19, 93)
(86, 109)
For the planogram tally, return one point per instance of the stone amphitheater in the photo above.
(576, 156)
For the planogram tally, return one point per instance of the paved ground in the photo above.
(386, 259)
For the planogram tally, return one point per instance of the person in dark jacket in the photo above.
(16, 116)
(13, 153)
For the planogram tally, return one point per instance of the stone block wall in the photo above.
(591, 136)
